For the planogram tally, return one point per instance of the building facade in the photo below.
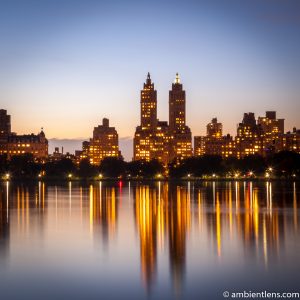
(249, 138)
(12, 144)
(263, 136)
(181, 141)
(273, 131)
(105, 143)
(156, 139)
(214, 143)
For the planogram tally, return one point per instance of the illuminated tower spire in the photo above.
(177, 79)
(148, 81)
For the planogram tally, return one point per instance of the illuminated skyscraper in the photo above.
(181, 142)
(151, 139)
(105, 143)
(148, 105)
(156, 139)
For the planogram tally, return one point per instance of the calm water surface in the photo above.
(148, 240)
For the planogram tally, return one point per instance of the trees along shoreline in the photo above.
(282, 165)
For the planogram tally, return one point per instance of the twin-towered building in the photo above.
(153, 139)
(162, 140)
(159, 140)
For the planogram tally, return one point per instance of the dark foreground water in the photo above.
(148, 241)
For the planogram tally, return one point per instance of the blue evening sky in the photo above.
(66, 64)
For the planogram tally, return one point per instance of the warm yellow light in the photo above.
(70, 175)
(270, 169)
(7, 175)
(100, 175)
(267, 175)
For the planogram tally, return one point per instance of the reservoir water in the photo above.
(148, 240)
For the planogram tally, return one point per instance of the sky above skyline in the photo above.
(64, 65)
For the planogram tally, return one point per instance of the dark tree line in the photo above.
(282, 164)
(24, 166)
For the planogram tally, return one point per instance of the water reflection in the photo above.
(254, 220)
(4, 221)
(103, 208)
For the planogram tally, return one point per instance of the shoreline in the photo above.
(220, 179)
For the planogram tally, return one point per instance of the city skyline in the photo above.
(88, 58)
(71, 145)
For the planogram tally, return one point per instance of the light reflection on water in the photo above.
(148, 240)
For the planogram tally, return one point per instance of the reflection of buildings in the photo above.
(13, 144)
(155, 139)
(4, 219)
(103, 210)
(105, 143)
(146, 220)
(159, 212)
(250, 214)
(179, 219)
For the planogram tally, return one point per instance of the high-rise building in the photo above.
(214, 143)
(105, 143)
(156, 139)
(5, 127)
(148, 105)
(181, 142)
(273, 130)
(249, 137)
(151, 139)
(290, 141)
(214, 129)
